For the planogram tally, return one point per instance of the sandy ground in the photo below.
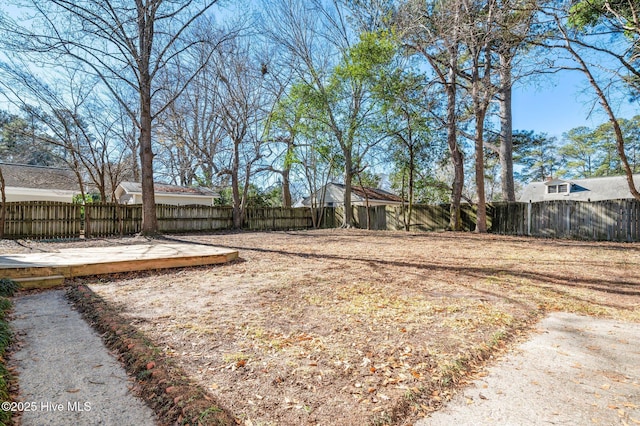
(574, 370)
(66, 375)
(339, 327)
(577, 370)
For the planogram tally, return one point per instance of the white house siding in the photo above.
(173, 200)
(183, 200)
(14, 194)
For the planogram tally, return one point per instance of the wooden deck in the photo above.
(44, 270)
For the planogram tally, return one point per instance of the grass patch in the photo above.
(7, 289)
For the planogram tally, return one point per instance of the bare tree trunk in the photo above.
(366, 202)
(455, 220)
(87, 219)
(3, 209)
(122, 43)
(481, 214)
(480, 92)
(411, 183)
(235, 187)
(404, 210)
(149, 219)
(348, 177)
(286, 188)
(135, 166)
(506, 130)
(607, 107)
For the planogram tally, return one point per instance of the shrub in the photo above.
(8, 287)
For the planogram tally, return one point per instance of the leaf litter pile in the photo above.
(352, 327)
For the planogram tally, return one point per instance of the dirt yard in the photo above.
(351, 327)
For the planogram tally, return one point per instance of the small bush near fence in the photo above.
(617, 220)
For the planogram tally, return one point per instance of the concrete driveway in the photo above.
(576, 370)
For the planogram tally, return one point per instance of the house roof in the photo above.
(358, 194)
(166, 189)
(591, 189)
(376, 194)
(554, 182)
(39, 177)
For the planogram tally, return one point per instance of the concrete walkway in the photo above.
(577, 371)
(66, 375)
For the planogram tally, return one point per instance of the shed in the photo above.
(334, 196)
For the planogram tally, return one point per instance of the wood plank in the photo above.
(40, 282)
(106, 260)
(149, 264)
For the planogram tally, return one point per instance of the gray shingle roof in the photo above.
(163, 188)
(358, 194)
(39, 177)
(591, 189)
(376, 194)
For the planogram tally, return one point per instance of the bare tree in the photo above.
(515, 20)
(433, 30)
(3, 199)
(617, 61)
(124, 44)
(191, 131)
(72, 117)
(478, 32)
(244, 106)
(334, 76)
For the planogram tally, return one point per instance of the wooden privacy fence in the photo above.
(423, 217)
(193, 218)
(42, 219)
(617, 220)
(431, 217)
(614, 220)
(604, 220)
(277, 218)
(47, 220)
(104, 220)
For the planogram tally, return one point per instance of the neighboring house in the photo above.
(591, 189)
(334, 196)
(131, 193)
(39, 183)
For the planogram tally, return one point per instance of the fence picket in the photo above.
(612, 220)
(617, 220)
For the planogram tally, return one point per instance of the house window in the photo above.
(563, 188)
(552, 189)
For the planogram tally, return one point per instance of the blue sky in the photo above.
(554, 104)
(560, 103)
